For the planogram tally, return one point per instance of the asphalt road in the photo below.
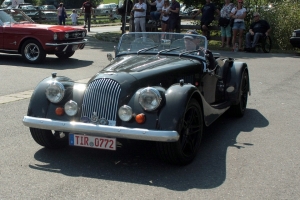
(255, 157)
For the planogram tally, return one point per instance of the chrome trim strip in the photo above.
(101, 130)
(5, 50)
(68, 43)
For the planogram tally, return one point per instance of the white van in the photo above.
(6, 3)
(12, 3)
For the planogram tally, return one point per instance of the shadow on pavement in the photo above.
(138, 163)
(51, 62)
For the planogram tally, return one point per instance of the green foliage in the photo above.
(283, 18)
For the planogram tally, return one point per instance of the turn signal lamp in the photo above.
(59, 111)
(140, 118)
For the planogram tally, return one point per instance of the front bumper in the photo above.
(101, 130)
(67, 46)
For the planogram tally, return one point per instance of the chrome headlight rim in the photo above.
(150, 92)
(55, 36)
(71, 108)
(51, 96)
(125, 113)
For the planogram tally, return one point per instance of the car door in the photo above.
(10, 38)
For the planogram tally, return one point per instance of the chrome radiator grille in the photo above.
(102, 97)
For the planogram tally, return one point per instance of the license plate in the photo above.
(92, 142)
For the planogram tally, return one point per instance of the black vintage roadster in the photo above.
(160, 87)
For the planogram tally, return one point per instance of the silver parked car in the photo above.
(105, 9)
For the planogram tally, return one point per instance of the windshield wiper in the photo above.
(193, 51)
(146, 49)
(167, 50)
(24, 22)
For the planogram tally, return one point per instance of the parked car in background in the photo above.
(185, 10)
(105, 9)
(160, 87)
(6, 3)
(21, 35)
(47, 7)
(51, 16)
(295, 39)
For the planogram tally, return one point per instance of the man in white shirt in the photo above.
(139, 10)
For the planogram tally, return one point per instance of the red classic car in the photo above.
(21, 35)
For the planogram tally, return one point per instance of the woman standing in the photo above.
(165, 16)
(61, 13)
(238, 14)
(226, 31)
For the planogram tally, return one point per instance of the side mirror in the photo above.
(109, 57)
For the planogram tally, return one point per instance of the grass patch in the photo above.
(110, 1)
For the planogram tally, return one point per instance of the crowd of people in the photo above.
(165, 14)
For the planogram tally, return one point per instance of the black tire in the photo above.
(185, 149)
(239, 109)
(33, 52)
(267, 44)
(49, 139)
(65, 55)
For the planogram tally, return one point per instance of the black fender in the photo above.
(233, 82)
(177, 97)
(40, 106)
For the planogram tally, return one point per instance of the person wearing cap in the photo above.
(208, 11)
(191, 42)
(258, 29)
(238, 14)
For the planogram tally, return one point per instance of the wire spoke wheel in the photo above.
(191, 128)
(185, 149)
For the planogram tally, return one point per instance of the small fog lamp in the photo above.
(125, 113)
(71, 108)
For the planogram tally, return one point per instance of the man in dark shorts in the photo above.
(208, 11)
(87, 8)
(174, 15)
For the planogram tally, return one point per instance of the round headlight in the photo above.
(150, 98)
(125, 113)
(83, 34)
(71, 108)
(67, 35)
(55, 36)
(55, 92)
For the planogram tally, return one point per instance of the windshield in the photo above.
(154, 42)
(13, 16)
